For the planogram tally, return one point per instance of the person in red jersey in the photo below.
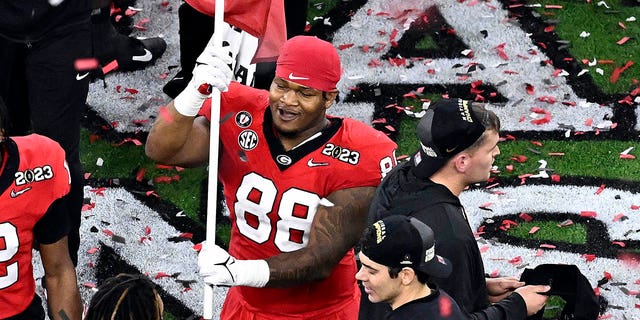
(297, 182)
(34, 177)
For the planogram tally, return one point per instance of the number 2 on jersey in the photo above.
(8, 235)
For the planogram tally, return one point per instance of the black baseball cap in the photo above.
(400, 241)
(448, 127)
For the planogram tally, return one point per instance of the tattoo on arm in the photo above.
(63, 315)
(335, 230)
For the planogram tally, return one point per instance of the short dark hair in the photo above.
(422, 277)
(489, 120)
(125, 296)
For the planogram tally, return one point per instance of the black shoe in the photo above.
(177, 84)
(131, 53)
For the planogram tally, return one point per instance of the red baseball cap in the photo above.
(310, 62)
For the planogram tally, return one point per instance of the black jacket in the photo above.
(402, 193)
(431, 307)
(28, 21)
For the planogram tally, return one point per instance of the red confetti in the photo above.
(635, 207)
(197, 247)
(90, 285)
(534, 230)
(151, 193)
(186, 235)
(555, 178)
(619, 243)
(526, 217)
(445, 306)
(589, 257)
(588, 122)
(618, 217)
(113, 65)
(617, 71)
(140, 174)
(545, 119)
(600, 189)
(536, 143)
(588, 214)
(161, 274)
(519, 158)
(131, 90)
(99, 191)
(516, 261)
(623, 40)
(501, 53)
(93, 250)
(547, 99)
(147, 230)
(565, 223)
(547, 246)
(530, 89)
(345, 46)
(85, 64)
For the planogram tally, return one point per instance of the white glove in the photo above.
(213, 69)
(220, 269)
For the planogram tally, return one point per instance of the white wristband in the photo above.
(251, 273)
(189, 101)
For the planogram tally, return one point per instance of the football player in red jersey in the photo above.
(33, 178)
(298, 183)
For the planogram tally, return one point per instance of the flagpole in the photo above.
(214, 141)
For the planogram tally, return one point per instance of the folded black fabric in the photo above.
(570, 284)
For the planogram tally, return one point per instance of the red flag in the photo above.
(263, 19)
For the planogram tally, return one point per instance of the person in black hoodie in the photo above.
(458, 144)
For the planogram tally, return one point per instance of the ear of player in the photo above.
(218, 268)
(213, 70)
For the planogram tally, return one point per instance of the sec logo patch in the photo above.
(248, 139)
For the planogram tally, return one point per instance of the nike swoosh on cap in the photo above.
(80, 77)
(144, 58)
(292, 77)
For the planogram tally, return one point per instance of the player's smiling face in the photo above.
(298, 111)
